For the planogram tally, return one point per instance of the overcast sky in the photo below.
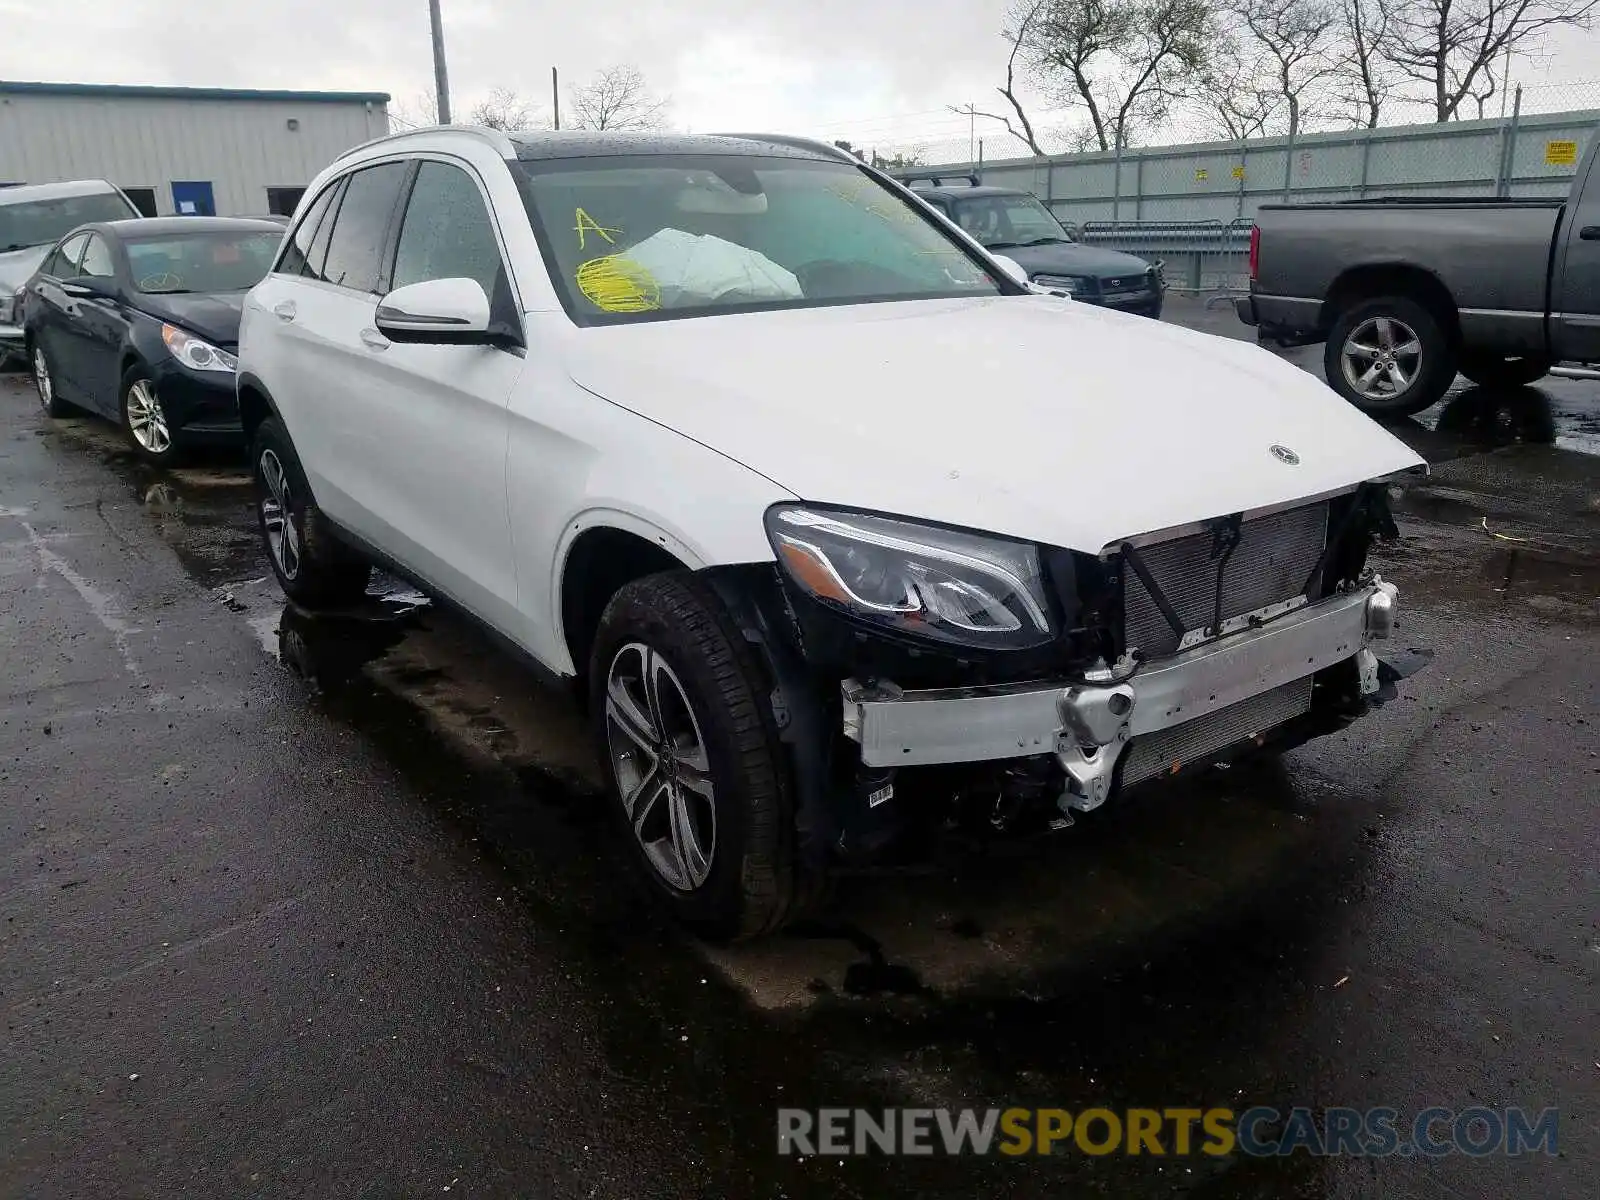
(873, 71)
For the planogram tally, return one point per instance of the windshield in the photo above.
(225, 261)
(1001, 221)
(43, 222)
(634, 238)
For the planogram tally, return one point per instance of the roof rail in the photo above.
(937, 176)
(494, 137)
(799, 143)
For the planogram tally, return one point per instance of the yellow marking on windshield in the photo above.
(587, 223)
(615, 284)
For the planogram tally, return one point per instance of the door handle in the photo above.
(284, 311)
(1589, 233)
(373, 340)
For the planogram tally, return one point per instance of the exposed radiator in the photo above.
(1269, 565)
(1180, 745)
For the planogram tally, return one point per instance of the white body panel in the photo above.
(1031, 417)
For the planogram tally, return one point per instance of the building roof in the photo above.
(116, 90)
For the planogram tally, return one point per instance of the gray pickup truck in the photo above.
(1407, 293)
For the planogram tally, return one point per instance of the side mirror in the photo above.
(440, 312)
(1012, 268)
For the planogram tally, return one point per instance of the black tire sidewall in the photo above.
(747, 890)
(1438, 355)
(174, 450)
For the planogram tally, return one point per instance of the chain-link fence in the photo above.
(1191, 206)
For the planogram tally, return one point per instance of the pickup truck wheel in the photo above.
(1389, 357)
(313, 567)
(1493, 371)
(696, 775)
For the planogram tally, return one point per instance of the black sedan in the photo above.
(138, 320)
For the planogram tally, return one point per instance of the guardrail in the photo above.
(1199, 256)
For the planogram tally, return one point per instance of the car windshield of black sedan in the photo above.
(201, 262)
(647, 237)
(43, 222)
(1001, 222)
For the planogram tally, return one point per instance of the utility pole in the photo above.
(441, 78)
(555, 96)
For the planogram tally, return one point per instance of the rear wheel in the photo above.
(44, 381)
(1495, 371)
(313, 566)
(1389, 356)
(698, 781)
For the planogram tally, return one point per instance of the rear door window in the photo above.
(297, 254)
(361, 227)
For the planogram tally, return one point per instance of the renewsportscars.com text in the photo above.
(1374, 1132)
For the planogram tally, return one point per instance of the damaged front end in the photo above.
(935, 679)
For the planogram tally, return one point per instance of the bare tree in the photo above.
(1449, 45)
(505, 108)
(1122, 61)
(617, 98)
(419, 112)
(1363, 79)
(1241, 95)
(1297, 39)
(1022, 18)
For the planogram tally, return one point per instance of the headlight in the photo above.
(1070, 284)
(196, 354)
(11, 306)
(915, 579)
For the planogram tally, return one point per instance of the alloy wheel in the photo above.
(1381, 358)
(147, 421)
(277, 516)
(659, 760)
(41, 377)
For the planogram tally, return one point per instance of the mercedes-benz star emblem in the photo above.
(1285, 455)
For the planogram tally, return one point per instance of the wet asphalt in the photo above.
(296, 904)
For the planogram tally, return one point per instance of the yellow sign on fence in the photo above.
(1561, 154)
(1201, 175)
(1238, 172)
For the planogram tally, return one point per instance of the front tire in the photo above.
(314, 568)
(144, 420)
(1389, 356)
(697, 778)
(1496, 371)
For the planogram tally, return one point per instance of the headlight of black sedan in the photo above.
(921, 580)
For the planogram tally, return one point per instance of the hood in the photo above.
(16, 267)
(1030, 416)
(1073, 258)
(213, 316)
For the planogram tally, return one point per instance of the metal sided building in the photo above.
(175, 150)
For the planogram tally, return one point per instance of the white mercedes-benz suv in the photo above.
(753, 446)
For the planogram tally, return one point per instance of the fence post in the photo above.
(1138, 188)
(1244, 154)
(1366, 163)
(1508, 149)
(1288, 166)
(1116, 184)
(1050, 184)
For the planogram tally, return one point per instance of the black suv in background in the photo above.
(1018, 225)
